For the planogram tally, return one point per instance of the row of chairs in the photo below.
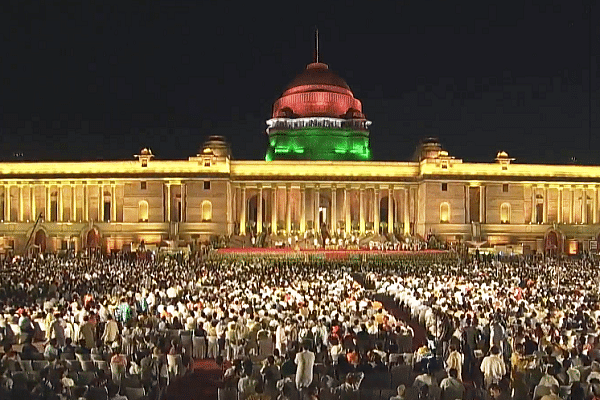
(362, 394)
(100, 393)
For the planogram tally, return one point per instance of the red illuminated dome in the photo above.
(318, 92)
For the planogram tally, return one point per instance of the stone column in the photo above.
(61, 210)
(288, 209)
(571, 205)
(274, 218)
(101, 202)
(361, 210)
(259, 211)
(32, 210)
(47, 202)
(184, 202)
(406, 212)
(316, 222)
(467, 205)
(243, 212)
(7, 204)
(334, 209)
(21, 205)
(113, 203)
(73, 204)
(376, 215)
(546, 203)
(482, 204)
(302, 209)
(390, 220)
(584, 205)
(347, 212)
(559, 214)
(595, 206)
(86, 203)
(533, 205)
(168, 200)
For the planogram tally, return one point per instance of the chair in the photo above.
(394, 357)
(131, 381)
(97, 393)
(565, 391)
(83, 357)
(26, 365)
(411, 393)
(226, 394)
(369, 394)
(102, 365)
(74, 365)
(19, 376)
(85, 378)
(134, 393)
(401, 374)
(39, 365)
(540, 391)
(67, 356)
(88, 366)
(34, 376)
(186, 342)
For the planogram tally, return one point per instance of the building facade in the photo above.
(316, 182)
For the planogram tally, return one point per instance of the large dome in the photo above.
(318, 74)
(318, 92)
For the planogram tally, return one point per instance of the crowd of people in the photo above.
(301, 328)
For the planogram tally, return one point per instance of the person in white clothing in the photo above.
(305, 361)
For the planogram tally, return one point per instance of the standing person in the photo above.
(305, 360)
(111, 331)
(452, 388)
(123, 312)
(455, 361)
(493, 367)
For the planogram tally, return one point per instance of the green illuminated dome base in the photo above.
(318, 118)
(317, 143)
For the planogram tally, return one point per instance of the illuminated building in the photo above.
(316, 181)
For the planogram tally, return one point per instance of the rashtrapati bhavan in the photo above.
(317, 186)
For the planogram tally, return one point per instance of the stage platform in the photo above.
(325, 254)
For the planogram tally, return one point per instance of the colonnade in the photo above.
(575, 198)
(36, 203)
(283, 197)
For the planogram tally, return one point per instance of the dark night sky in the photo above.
(102, 80)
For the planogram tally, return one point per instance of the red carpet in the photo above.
(200, 384)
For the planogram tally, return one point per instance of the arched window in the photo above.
(206, 211)
(505, 213)
(444, 213)
(143, 211)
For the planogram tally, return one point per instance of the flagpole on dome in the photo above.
(316, 45)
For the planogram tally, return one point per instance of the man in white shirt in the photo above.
(305, 361)
(493, 367)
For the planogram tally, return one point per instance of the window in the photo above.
(143, 185)
(206, 185)
(505, 188)
(206, 211)
(143, 211)
(505, 213)
(144, 163)
(444, 213)
(444, 187)
(207, 163)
